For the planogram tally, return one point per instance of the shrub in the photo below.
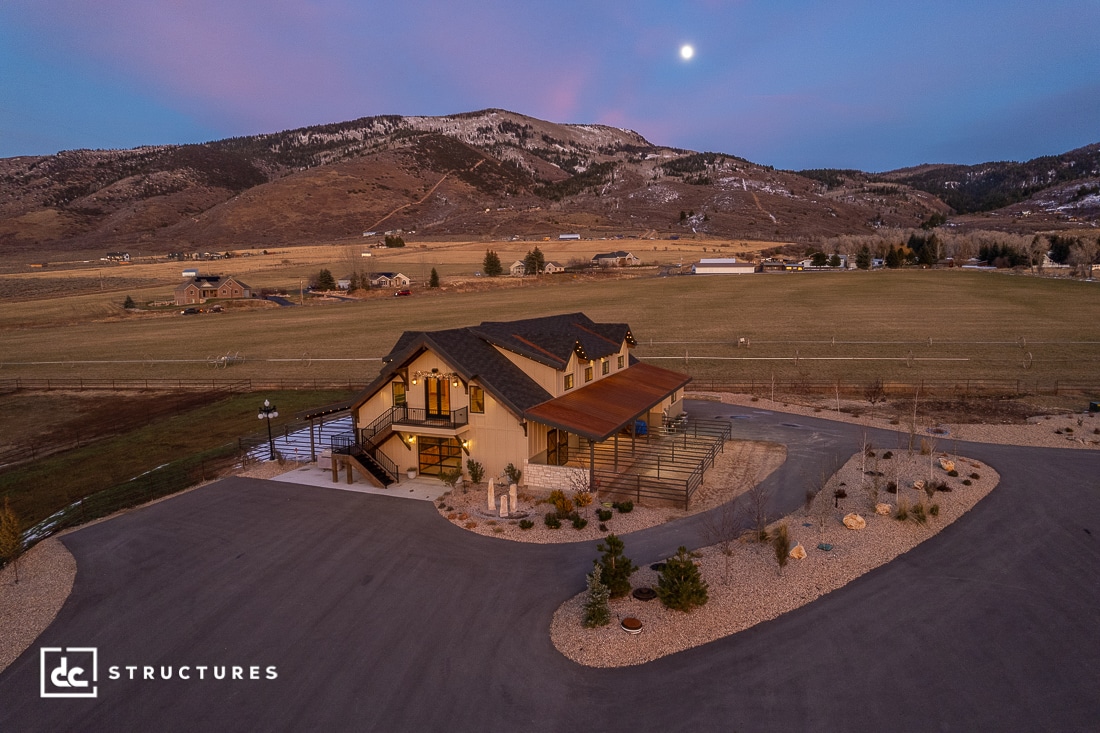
(888, 455)
(596, 611)
(918, 514)
(966, 482)
(838, 495)
(624, 507)
(934, 510)
(582, 499)
(781, 543)
(604, 514)
(476, 470)
(952, 473)
(902, 512)
(579, 522)
(892, 487)
(513, 474)
(470, 525)
(603, 527)
(526, 524)
(551, 520)
(975, 476)
(680, 586)
(617, 567)
(561, 502)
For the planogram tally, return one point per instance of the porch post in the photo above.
(592, 466)
(312, 447)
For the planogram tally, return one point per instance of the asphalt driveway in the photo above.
(379, 615)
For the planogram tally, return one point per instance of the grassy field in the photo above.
(124, 446)
(895, 325)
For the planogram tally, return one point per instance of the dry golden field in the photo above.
(895, 325)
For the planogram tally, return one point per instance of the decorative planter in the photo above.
(644, 593)
(631, 625)
(411, 473)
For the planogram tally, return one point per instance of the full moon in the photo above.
(686, 52)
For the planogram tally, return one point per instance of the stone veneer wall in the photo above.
(540, 477)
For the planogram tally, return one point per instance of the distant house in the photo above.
(553, 267)
(201, 288)
(773, 266)
(190, 272)
(569, 236)
(389, 280)
(117, 257)
(722, 266)
(615, 259)
(518, 269)
(344, 283)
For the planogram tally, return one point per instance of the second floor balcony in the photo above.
(403, 415)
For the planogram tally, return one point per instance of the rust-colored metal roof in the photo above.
(608, 405)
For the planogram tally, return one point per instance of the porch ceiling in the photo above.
(608, 405)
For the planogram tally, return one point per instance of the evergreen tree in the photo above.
(491, 264)
(863, 258)
(834, 261)
(128, 304)
(534, 262)
(433, 281)
(819, 259)
(596, 611)
(893, 258)
(616, 568)
(11, 537)
(325, 281)
(680, 586)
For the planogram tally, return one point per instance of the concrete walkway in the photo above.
(379, 615)
(424, 488)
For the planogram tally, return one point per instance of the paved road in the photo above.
(379, 616)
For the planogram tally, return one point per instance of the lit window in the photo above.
(588, 374)
(620, 365)
(477, 399)
(569, 381)
(606, 366)
(398, 393)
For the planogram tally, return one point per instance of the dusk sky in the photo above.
(790, 83)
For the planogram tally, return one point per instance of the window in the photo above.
(477, 399)
(620, 365)
(588, 374)
(398, 393)
(569, 381)
(606, 366)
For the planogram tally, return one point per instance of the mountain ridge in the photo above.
(485, 173)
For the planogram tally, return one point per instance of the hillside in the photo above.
(491, 173)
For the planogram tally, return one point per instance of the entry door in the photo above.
(438, 397)
(557, 447)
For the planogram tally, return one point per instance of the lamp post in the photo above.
(268, 411)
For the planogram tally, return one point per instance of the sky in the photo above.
(793, 84)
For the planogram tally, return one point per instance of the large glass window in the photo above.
(477, 399)
(438, 454)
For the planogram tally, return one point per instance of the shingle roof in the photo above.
(470, 351)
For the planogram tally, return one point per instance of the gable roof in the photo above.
(551, 340)
(471, 352)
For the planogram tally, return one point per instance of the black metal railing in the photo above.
(405, 415)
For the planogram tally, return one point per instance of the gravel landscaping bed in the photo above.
(740, 466)
(46, 575)
(747, 587)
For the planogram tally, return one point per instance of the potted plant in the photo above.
(411, 473)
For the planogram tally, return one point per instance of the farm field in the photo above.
(907, 325)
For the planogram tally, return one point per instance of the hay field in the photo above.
(904, 325)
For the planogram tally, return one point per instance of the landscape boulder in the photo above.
(798, 552)
(883, 509)
(854, 521)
